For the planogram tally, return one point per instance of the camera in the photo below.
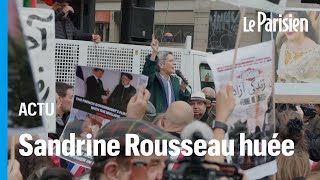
(196, 168)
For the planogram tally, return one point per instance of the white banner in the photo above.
(252, 84)
(39, 29)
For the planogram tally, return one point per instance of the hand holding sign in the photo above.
(225, 102)
(138, 104)
(14, 170)
(96, 38)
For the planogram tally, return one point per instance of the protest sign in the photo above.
(100, 96)
(104, 92)
(39, 29)
(21, 84)
(252, 84)
(297, 59)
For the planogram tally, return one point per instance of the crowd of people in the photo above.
(176, 108)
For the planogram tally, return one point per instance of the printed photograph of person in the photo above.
(105, 92)
(121, 95)
(298, 52)
(82, 123)
(95, 90)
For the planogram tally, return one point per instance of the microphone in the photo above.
(197, 130)
(178, 73)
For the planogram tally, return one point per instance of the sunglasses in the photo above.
(212, 99)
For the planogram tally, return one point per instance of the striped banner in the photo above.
(75, 169)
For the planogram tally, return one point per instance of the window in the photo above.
(223, 29)
(103, 30)
(206, 76)
(173, 33)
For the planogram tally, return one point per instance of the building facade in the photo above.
(212, 25)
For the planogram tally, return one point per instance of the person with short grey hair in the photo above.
(164, 88)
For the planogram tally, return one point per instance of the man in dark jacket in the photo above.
(164, 87)
(122, 94)
(95, 90)
(64, 27)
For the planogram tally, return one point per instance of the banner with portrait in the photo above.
(297, 54)
(100, 96)
(252, 84)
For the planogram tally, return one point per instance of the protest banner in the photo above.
(253, 83)
(277, 6)
(39, 29)
(100, 96)
(21, 85)
(297, 59)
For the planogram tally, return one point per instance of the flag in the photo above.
(81, 82)
(75, 169)
(30, 3)
(79, 73)
(48, 2)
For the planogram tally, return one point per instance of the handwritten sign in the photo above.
(39, 29)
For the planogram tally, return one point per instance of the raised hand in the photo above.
(96, 38)
(67, 9)
(138, 104)
(225, 102)
(183, 86)
(154, 45)
(14, 170)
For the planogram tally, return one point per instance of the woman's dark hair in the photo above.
(294, 130)
(29, 164)
(61, 88)
(98, 166)
(55, 173)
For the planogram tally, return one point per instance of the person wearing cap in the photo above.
(199, 104)
(210, 94)
(164, 88)
(123, 167)
(64, 27)
(95, 89)
(122, 93)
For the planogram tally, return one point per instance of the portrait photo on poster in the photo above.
(105, 92)
(297, 64)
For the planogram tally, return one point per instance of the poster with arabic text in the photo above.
(252, 84)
